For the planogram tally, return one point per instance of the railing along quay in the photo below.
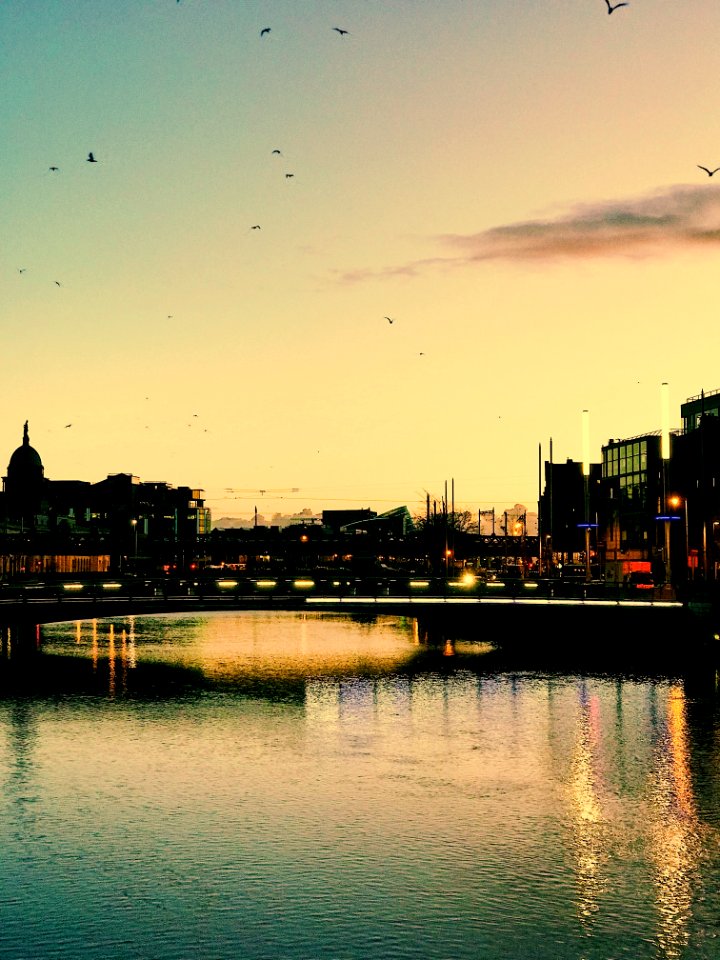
(47, 601)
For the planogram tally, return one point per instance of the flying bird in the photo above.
(90, 158)
(54, 169)
(22, 269)
(264, 31)
(278, 152)
(67, 425)
(288, 175)
(256, 227)
(611, 8)
(709, 172)
(57, 283)
(389, 320)
(341, 32)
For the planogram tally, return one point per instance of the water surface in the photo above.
(261, 785)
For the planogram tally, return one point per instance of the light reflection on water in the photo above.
(276, 785)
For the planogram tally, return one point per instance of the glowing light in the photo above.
(586, 442)
(665, 422)
(266, 584)
(72, 587)
(226, 584)
(419, 584)
(303, 584)
(466, 580)
(112, 586)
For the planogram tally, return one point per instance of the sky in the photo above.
(514, 185)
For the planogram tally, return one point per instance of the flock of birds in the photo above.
(265, 32)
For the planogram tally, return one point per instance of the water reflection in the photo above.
(674, 834)
(590, 835)
(314, 786)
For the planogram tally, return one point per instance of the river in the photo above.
(264, 785)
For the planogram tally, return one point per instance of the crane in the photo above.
(261, 490)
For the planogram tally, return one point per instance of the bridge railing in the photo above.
(269, 587)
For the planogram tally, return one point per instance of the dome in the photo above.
(25, 463)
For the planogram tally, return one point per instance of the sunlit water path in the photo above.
(263, 785)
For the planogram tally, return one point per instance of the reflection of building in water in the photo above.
(675, 846)
(614, 761)
(17, 773)
(590, 846)
(112, 645)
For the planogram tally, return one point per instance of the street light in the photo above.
(675, 502)
(134, 525)
(586, 484)
(665, 455)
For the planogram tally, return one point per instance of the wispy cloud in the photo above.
(677, 217)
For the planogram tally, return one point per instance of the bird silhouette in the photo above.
(90, 158)
(264, 32)
(389, 320)
(54, 169)
(279, 154)
(341, 32)
(22, 269)
(709, 172)
(611, 8)
(57, 283)
(255, 227)
(288, 175)
(67, 425)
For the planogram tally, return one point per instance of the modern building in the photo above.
(569, 505)
(656, 514)
(635, 484)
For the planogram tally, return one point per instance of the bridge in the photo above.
(51, 601)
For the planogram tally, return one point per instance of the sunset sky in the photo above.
(514, 184)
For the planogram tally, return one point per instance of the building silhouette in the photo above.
(655, 515)
(119, 525)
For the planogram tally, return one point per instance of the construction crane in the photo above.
(261, 490)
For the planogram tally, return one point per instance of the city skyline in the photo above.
(473, 224)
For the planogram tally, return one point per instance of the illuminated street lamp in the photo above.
(134, 525)
(676, 502)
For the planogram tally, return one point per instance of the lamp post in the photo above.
(586, 480)
(134, 525)
(665, 454)
(676, 501)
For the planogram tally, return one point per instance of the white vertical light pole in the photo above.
(665, 454)
(586, 479)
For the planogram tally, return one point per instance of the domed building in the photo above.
(77, 527)
(24, 484)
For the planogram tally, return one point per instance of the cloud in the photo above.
(677, 217)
